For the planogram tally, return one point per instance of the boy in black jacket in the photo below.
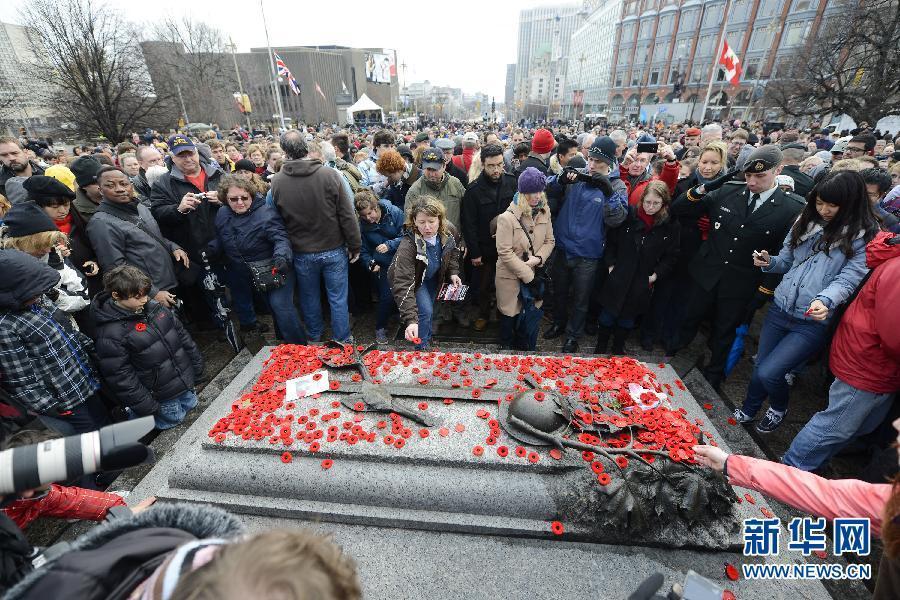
(148, 361)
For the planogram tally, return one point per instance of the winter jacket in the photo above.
(829, 498)
(193, 230)
(865, 351)
(258, 234)
(635, 254)
(450, 191)
(44, 361)
(71, 291)
(349, 172)
(6, 173)
(812, 275)
(144, 358)
(637, 185)
(512, 244)
(82, 251)
(314, 206)
(803, 183)
(584, 213)
(117, 240)
(388, 231)
(370, 175)
(536, 161)
(142, 186)
(407, 270)
(464, 161)
(483, 201)
(114, 558)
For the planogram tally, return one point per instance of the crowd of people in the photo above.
(655, 231)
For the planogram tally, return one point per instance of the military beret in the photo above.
(43, 187)
(421, 137)
(762, 159)
(794, 146)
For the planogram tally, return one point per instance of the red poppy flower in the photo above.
(356, 377)
(728, 595)
(317, 376)
(359, 406)
(731, 572)
(750, 498)
(140, 327)
(533, 457)
(314, 447)
(423, 381)
(444, 431)
(587, 456)
(219, 438)
(556, 453)
(708, 406)
(557, 528)
(539, 396)
(597, 467)
(604, 478)
(381, 424)
(502, 451)
(399, 443)
(622, 461)
(521, 452)
(732, 421)
(476, 393)
(417, 341)
(424, 433)
(335, 404)
(477, 450)
(448, 401)
(327, 463)
(766, 512)
(334, 384)
(482, 414)
(287, 457)
(388, 439)
(423, 406)
(821, 554)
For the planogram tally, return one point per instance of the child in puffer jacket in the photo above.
(148, 360)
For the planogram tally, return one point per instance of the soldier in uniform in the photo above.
(746, 216)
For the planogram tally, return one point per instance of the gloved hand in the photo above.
(720, 181)
(703, 226)
(601, 181)
(281, 264)
(565, 177)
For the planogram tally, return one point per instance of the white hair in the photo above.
(154, 173)
(618, 136)
(328, 152)
(711, 128)
(588, 140)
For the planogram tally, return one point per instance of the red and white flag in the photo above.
(732, 64)
(321, 93)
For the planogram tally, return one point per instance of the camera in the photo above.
(111, 448)
(372, 265)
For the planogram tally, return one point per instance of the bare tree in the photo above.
(94, 65)
(851, 67)
(191, 57)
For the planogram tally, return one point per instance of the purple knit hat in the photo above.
(532, 181)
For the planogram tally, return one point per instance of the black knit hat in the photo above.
(245, 164)
(42, 189)
(27, 218)
(85, 169)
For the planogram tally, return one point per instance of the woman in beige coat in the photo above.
(524, 243)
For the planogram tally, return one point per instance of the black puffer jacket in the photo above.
(144, 358)
(483, 202)
(111, 560)
(194, 230)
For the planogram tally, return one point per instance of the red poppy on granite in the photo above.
(460, 428)
(476, 393)
(621, 461)
(728, 595)
(708, 406)
(317, 376)
(140, 327)
(521, 452)
(765, 511)
(399, 443)
(533, 457)
(482, 414)
(556, 454)
(356, 406)
(334, 385)
(731, 572)
(557, 528)
(388, 439)
(356, 377)
(732, 421)
(750, 498)
(424, 433)
(539, 396)
(587, 456)
(327, 463)
(444, 431)
(448, 401)
(423, 381)
(477, 450)
(604, 478)
(502, 451)
(287, 457)
(597, 467)
(821, 554)
(423, 406)
(417, 341)
(220, 437)
(314, 447)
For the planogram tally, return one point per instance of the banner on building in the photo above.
(732, 64)
(380, 67)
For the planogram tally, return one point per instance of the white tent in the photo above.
(365, 111)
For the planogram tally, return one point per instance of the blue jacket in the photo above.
(258, 234)
(584, 213)
(812, 275)
(389, 230)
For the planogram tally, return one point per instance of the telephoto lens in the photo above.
(113, 447)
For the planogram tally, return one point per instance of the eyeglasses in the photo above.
(236, 199)
(854, 150)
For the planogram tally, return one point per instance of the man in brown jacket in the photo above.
(324, 233)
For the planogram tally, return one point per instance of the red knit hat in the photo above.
(542, 142)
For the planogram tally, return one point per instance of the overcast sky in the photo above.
(460, 43)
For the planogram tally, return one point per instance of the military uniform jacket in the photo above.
(726, 257)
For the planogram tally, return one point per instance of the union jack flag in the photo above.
(283, 71)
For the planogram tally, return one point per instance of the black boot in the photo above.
(620, 334)
(603, 334)
(570, 346)
(554, 331)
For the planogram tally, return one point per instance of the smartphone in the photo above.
(651, 147)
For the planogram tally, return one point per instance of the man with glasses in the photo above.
(860, 145)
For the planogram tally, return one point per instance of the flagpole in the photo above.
(716, 57)
(274, 71)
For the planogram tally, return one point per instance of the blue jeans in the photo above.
(386, 304)
(607, 319)
(785, 343)
(851, 412)
(570, 309)
(280, 301)
(311, 267)
(425, 305)
(172, 412)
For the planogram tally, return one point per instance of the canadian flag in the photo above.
(732, 64)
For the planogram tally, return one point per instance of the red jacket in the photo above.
(865, 352)
(669, 176)
(464, 160)
(65, 503)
